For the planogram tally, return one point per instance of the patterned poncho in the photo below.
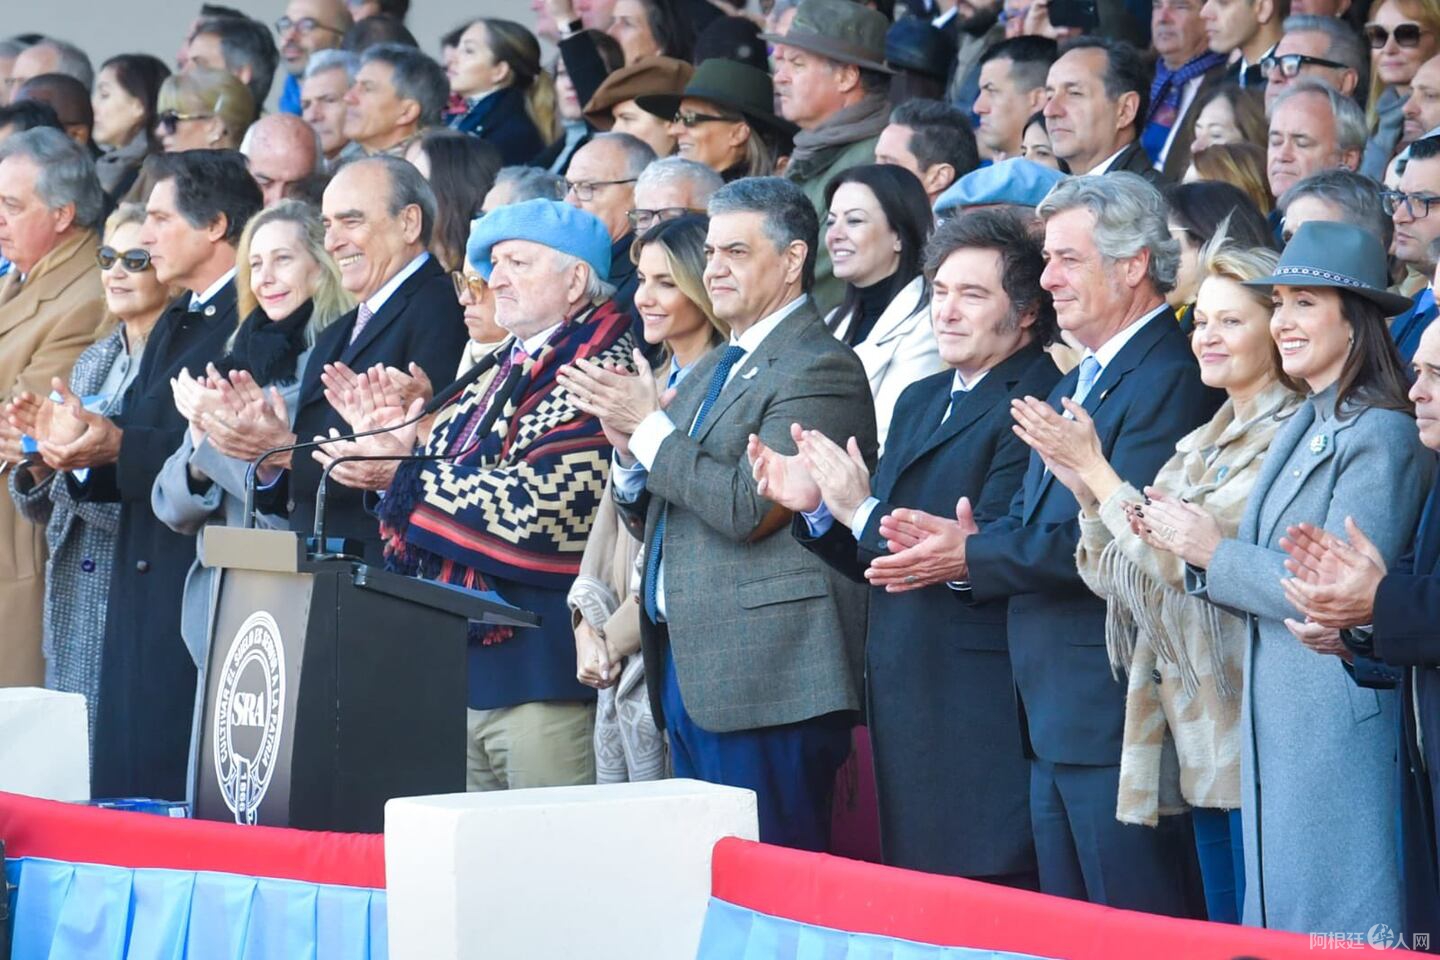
(521, 504)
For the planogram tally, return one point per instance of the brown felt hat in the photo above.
(649, 77)
(839, 30)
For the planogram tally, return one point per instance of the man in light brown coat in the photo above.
(51, 306)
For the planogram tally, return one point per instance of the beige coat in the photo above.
(1184, 656)
(44, 325)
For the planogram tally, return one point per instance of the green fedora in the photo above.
(839, 30)
(730, 85)
(1325, 253)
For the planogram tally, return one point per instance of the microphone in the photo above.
(485, 365)
(482, 430)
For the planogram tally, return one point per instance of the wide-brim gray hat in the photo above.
(1323, 253)
(839, 30)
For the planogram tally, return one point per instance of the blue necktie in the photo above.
(1089, 373)
(728, 359)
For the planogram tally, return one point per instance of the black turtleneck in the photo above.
(870, 302)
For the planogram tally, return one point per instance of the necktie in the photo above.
(728, 359)
(363, 317)
(1089, 373)
(516, 357)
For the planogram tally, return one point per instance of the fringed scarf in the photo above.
(520, 505)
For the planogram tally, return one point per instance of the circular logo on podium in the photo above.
(249, 715)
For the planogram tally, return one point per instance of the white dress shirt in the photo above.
(379, 297)
(198, 300)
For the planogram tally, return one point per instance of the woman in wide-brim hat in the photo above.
(725, 119)
(1320, 746)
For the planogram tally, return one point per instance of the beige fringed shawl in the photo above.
(1183, 656)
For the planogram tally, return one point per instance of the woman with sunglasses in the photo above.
(288, 290)
(1402, 34)
(81, 536)
(605, 609)
(203, 109)
(875, 231)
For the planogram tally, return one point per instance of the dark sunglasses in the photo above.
(133, 261)
(466, 284)
(1406, 35)
(1288, 65)
(690, 118)
(170, 120)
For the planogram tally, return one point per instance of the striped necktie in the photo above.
(728, 359)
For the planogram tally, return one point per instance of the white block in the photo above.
(601, 872)
(44, 744)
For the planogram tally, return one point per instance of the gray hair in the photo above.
(531, 183)
(1354, 194)
(1350, 129)
(788, 215)
(1345, 44)
(416, 77)
(322, 61)
(70, 60)
(702, 181)
(635, 153)
(597, 288)
(407, 188)
(1130, 216)
(67, 174)
(245, 43)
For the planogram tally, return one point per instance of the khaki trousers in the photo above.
(541, 744)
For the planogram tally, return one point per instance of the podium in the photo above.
(331, 686)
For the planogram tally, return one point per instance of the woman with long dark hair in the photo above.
(648, 28)
(1198, 211)
(510, 97)
(875, 231)
(1320, 746)
(461, 170)
(126, 91)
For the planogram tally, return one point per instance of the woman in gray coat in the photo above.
(288, 290)
(1318, 750)
(81, 536)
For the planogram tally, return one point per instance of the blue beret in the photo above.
(1017, 181)
(547, 222)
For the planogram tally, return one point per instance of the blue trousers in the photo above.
(791, 768)
(1222, 862)
(1086, 854)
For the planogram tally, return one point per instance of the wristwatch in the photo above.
(1359, 640)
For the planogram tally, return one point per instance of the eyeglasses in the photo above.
(585, 189)
(690, 118)
(133, 261)
(305, 25)
(1288, 65)
(1406, 35)
(643, 220)
(1417, 205)
(170, 120)
(468, 284)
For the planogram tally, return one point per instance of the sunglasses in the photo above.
(170, 120)
(1288, 65)
(1406, 35)
(690, 118)
(133, 261)
(471, 285)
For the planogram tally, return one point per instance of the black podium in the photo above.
(332, 686)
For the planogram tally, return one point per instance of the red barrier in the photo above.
(865, 898)
(80, 834)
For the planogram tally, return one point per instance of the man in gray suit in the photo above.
(752, 645)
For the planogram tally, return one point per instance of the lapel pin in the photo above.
(750, 374)
(210, 310)
(1318, 442)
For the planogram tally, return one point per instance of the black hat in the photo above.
(918, 46)
(731, 85)
(1323, 253)
(733, 38)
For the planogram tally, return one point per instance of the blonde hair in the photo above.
(515, 46)
(330, 298)
(1223, 259)
(1241, 165)
(124, 215)
(1424, 12)
(202, 90)
(683, 242)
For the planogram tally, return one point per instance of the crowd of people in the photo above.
(1052, 389)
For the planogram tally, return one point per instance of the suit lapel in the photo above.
(20, 302)
(391, 309)
(980, 401)
(752, 366)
